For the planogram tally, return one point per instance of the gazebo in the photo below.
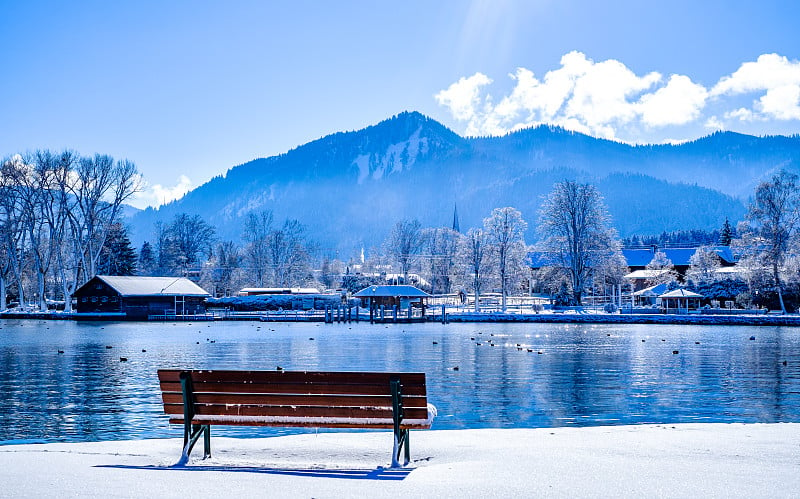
(395, 298)
(680, 301)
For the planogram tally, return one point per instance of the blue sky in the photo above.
(187, 90)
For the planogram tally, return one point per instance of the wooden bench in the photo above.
(198, 399)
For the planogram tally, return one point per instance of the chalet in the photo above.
(139, 297)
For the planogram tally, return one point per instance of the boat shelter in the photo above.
(680, 301)
(140, 297)
(397, 298)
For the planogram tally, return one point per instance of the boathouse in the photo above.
(394, 300)
(139, 297)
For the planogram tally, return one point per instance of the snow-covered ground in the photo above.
(683, 460)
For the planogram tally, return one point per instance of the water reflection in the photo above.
(584, 375)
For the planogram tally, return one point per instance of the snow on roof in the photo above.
(652, 290)
(278, 291)
(146, 286)
(391, 291)
(637, 257)
(681, 293)
(645, 274)
(730, 270)
(640, 257)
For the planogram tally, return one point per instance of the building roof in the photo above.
(656, 290)
(539, 259)
(681, 293)
(640, 257)
(280, 291)
(403, 291)
(152, 286)
(645, 274)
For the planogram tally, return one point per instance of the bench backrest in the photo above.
(296, 398)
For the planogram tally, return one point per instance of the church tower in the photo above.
(456, 226)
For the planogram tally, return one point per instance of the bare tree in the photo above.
(223, 273)
(574, 227)
(504, 229)
(100, 187)
(190, 238)
(774, 218)
(405, 244)
(441, 244)
(12, 235)
(257, 228)
(473, 255)
(288, 253)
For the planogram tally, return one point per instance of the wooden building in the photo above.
(140, 297)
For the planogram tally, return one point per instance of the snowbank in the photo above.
(697, 460)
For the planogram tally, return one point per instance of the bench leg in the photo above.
(191, 435)
(401, 447)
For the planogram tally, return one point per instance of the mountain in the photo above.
(350, 188)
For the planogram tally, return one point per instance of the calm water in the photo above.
(585, 375)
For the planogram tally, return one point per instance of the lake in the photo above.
(585, 374)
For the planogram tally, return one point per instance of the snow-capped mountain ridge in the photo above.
(348, 188)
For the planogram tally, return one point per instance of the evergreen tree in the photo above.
(726, 233)
(117, 256)
(147, 259)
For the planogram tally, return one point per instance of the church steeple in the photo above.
(456, 226)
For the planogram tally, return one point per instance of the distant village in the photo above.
(64, 248)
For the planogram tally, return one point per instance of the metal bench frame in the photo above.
(192, 432)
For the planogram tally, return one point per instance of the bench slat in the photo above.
(309, 424)
(297, 411)
(295, 388)
(303, 377)
(296, 400)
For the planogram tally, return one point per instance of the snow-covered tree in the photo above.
(576, 234)
(257, 228)
(505, 231)
(441, 244)
(405, 244)
(726, 234)
(662, 263)
(774, 222)
(704, 263)
(474, 259)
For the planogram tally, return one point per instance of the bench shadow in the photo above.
(379, 473)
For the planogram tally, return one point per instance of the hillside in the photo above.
(349, 188)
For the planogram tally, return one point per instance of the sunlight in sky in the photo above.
(192, 89)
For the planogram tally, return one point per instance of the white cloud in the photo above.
(607, 99)
(677, 103)
(776, 76)
(156, 195)
(741, 114)
(767, 72)
(714, 123)
(782, 102)
(591, 97)
(463, 96)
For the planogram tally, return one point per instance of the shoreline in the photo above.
(471, 317)
(680, 460)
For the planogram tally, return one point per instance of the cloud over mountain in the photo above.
(607, 99)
